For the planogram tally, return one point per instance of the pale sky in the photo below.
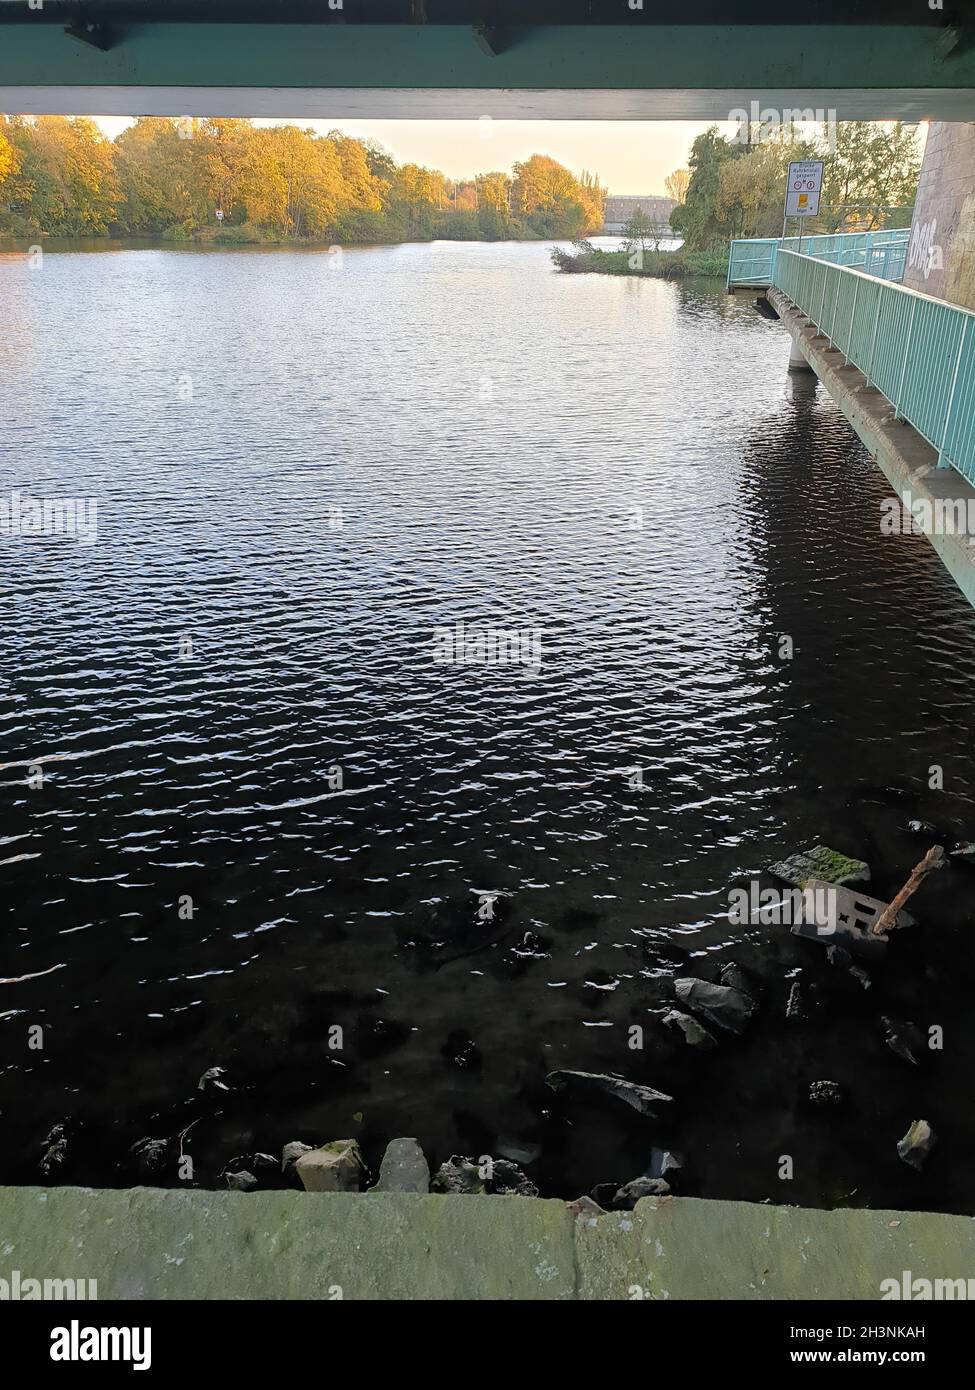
(628, 156)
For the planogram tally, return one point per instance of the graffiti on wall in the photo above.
(923, 252)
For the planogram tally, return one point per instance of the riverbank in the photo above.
(246, 234)
(665, 265)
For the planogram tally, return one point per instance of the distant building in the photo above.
(620, 208)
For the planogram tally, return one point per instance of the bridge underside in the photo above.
(146, 56)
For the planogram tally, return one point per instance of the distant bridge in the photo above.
(619, 208)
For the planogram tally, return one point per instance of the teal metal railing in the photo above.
(877, 253)
(918, 351)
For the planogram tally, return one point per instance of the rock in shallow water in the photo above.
(695, 1034)
(903, 1039)
(290, 1155)
(210, 1080)
(917, 1143)
(404, 1168)
(721, 1005)
(825, 1093)
(627, 1196)
(664, 1163)
(642, 1098)
(55, 1151)
(460, 1176)
(240, 1182)
(152, 1156)
(585, 1208)
(474, 1177)
(335, 1167)
(823, 863)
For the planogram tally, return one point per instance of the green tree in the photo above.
(697, 219)
(750, 196)
(874, 169)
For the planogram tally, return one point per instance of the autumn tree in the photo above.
(227, 179)
(9, 155)
(64, 175)
(677, 183)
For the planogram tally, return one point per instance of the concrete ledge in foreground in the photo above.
(908, 461)
(150, 1243)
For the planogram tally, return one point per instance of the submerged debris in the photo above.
(210, 1080)
(151, 1156)
(722, 1005)
(642, 1098)
(839, 957)
(795, 1009)
(903, 1039)
(734, 977)
(843, 916)
(934, 859)
(917, 1143)
(55, 1150)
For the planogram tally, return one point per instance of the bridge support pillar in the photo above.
(797, 362)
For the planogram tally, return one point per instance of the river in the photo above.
(270, 827)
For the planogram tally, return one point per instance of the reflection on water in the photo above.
(267, 810)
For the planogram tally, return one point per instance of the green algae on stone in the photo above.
(820, 862)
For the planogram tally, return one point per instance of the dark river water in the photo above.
(266, 812)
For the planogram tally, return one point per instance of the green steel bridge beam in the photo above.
(663, 71)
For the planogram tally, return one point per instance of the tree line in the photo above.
(229, 181)
(736, 188)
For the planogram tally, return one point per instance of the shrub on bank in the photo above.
(667, 265)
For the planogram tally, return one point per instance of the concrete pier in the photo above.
(151, 1243)
(797, 359)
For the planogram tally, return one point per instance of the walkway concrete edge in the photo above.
(152, 1243)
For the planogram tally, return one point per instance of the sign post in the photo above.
(802, 191)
